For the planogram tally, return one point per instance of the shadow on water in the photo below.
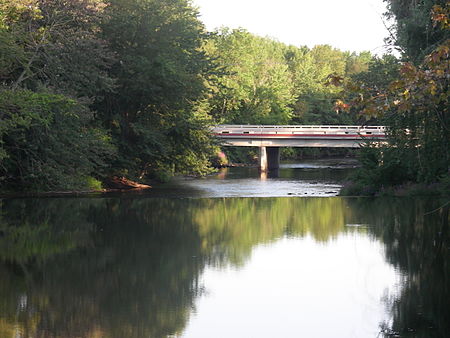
(131, 267)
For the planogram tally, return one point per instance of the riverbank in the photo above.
(323, 177)
(404, 190)
(111, 185)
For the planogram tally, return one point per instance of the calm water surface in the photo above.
(312, 178)
(189, 259)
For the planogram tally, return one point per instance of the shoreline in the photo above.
(114, 184)
(438, 189)
(70, 193)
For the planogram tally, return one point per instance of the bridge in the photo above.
(269, 139)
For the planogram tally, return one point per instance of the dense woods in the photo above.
(412, 100)
(92, 89)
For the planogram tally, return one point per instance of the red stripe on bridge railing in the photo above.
(301, 135)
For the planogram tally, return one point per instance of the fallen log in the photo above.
(123, 183)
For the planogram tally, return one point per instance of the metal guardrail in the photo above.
(247, 126)
(298, 130)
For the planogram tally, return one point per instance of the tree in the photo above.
(156, 112)
(255, 85)
(358, 63)
(415, 109)
(381, 71)
(310, 69)
(48, 142)
(54, 44)
(413, 31)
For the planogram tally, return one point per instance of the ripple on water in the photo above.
(320, 178)
(263, 188)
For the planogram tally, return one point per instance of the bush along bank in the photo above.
(383, 173)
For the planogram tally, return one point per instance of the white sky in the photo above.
(350, 25)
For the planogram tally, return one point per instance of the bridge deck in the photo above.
(299, 135)
(341, 132)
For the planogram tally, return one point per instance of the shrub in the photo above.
(47, 142)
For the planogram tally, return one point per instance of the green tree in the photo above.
(413, 31)
(156, 113)
(415, 109)
(310, 69)
(358, 63)
(381, 71)
(48, 142)
(255, 85)
(54, 44)
(328, 60)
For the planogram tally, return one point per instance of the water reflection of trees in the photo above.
(135, 275)
(417, 240)
(131, 267)
(230, 228)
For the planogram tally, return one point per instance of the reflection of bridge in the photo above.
(270, 138)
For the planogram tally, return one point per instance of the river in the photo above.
(235, 254)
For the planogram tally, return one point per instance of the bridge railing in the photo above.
(265, 126)
(299, 130)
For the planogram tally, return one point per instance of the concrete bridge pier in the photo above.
(269, 158)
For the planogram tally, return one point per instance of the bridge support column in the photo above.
(269, 158)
